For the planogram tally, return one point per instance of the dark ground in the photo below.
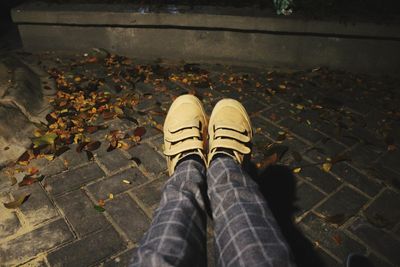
(325, 155)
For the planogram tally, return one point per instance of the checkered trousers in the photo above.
(246, 234)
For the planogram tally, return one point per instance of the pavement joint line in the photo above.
(25, 230)
(327, 197)
(320, 246)
(141, 205)
(110, 220)
(368, 249)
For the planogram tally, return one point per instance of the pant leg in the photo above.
(246, 233)
(177, 235)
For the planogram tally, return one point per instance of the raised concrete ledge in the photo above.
(246, 19)
(244, 37)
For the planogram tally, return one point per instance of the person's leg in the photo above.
(177, 235)
(245, 230)
(246, 233)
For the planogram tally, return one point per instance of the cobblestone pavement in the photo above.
(325, 155)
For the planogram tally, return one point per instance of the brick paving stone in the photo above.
(338, 134)
(158, 143)
(150, 132)
(354, 177)
(114, 160)
(150, 193)
(307, 197)
(346, 201)
(391, 160)
(388, 176)
(281, 111)
(302, 130)
(379, 240)
(315, 175)
(89, 250)
(384, 210)
(329, 237)
(378, 262)
(38, 208)
(128, 216)
(146, 103)
(114, 185)
(32, 243)
(326, 259)
(72, 158)
(73, 179)
(367, 137)
(151, 160)
(267, 128)
(121, 260)
(253, 106)
(363, 156)
(48, 168)
(79, 211)
(9, 223)
(37, 262)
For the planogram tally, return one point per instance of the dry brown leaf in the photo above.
(17, 202)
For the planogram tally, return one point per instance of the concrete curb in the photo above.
(253, 37)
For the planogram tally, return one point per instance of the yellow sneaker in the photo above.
(229, 130)
(184, 130)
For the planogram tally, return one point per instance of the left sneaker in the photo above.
(185, 130)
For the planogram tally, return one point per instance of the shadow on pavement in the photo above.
(278, 185)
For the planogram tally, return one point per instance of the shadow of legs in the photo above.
(278, 186)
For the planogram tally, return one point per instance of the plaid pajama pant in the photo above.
(245, 231)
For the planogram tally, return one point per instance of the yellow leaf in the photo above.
(111, 196)
(296, 170)
(327, 166)
(126, 181)
(77, 79)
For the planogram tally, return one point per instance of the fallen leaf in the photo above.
(338, 219)
(81, 146)
(24, 158)
(296, 170)
(270, 160)
(61, 151)
(113, 145)
(18, 202)
(110, 196)
(123, 145)
(47, 139)
(139, 131)
(101, 203)
(126, 181)
(327, 166)
(337, 239)
(28, 180)
(32, 170)
(99, 208)
(93, 145)
(89, 155)
(118, 111)
(281, 136)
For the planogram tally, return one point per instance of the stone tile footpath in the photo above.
(325, 150)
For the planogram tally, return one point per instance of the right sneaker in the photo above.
(229, 131)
